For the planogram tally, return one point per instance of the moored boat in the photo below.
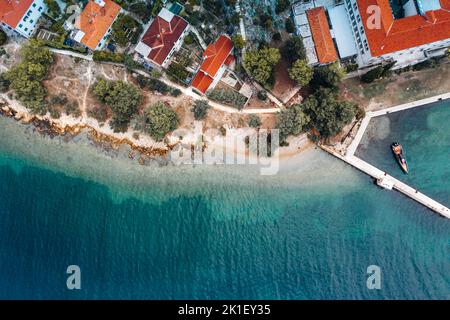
(397, 149)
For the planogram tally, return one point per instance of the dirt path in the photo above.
(88, 75)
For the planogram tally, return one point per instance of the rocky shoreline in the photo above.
(55, 128)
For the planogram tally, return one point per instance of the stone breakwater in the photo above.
(54, 127)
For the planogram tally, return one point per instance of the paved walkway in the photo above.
(379, 174)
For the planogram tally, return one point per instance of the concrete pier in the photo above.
(376, 173)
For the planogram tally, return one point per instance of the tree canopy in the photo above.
(123, 99)
(328, 114)
(293, 49)
(301, 72)
(328, 76)
(291, 121)
(238, 41)
(26, 77)
(260, 63)
(160, 120)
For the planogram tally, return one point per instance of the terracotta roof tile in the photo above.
(162, 35)
(409, 32)
(11, 12)
(95, 21)
(326, 52)
(215, 56)
(202, 81)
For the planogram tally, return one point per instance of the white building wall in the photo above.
(404, 58)
(28, 22)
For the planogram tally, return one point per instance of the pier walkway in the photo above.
(378, 174)
(397, 184)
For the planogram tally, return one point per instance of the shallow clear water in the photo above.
(309, 232)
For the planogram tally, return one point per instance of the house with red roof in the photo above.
(163, 38)
(21, 16)
(94, 24)
(371, 32)
(215, 60)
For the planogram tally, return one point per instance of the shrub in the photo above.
(254, 121)
(3, 37)
(200, 109)
(108, 56)
(100, 113)
(230, 97)
(72, 108)
(262, 95)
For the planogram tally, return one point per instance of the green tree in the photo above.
(125, 30)
(200, 109)
(293, 50)
(160, 120)
(53, 9)
(26, 77)
(328, 76)
(291, 121)
(123, 99)
(282, 5)
(301, 72)
(261, 62)
(157, 6)
(254, 121)
(289, 25)
(327, 112)
(238, 41)
(3, 37)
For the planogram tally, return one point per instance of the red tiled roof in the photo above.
(162, 35)
(11, 11)
(409, 32)
(214, 56)
(229, 60)
(326, 52)
(202, 81)
(95, 21)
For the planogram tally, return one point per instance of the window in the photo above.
(40, 9)
(34, 5)
(20, 25)
(26, 29)
(31, 20)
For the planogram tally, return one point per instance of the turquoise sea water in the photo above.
(309, 232)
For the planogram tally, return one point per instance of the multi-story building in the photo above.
(407, 34)
(21, 16)
(94, 24)
(162, 39)
(215, 59)
(374, 31)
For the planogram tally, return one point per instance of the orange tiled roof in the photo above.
(95, 21)
(202, 81)
(11, 11)
(214, 56)
(409, 32)
(326, 52)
